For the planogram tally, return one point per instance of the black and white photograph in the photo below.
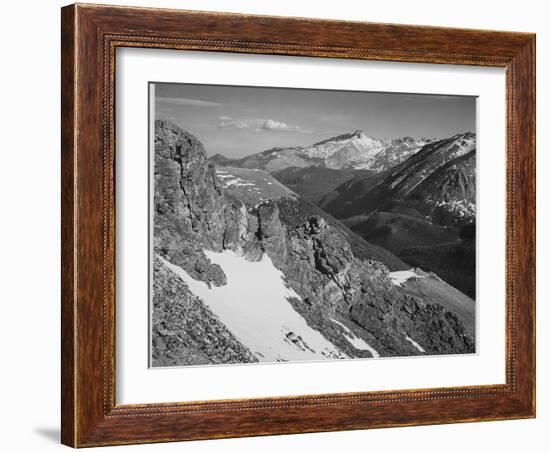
(246, 226)
(295, 224)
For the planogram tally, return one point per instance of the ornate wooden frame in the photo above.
(90, 36)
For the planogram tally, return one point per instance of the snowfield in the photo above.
(229, 179)
(400, 277)
(415, 344)
(255, 308)
(355, 341)
(251, 186)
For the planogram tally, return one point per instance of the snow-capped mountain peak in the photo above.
(355, 150)
(355, 146)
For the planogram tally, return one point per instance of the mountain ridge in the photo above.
(422, 210)
(361, 196)
(355, 150)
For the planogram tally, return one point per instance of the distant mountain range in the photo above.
(354, 150)
(422, 210)
(441, 174)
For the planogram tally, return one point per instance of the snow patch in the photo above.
(355, 341)
(462, 208)
(229, 180)
(238, 183)
(255, 308)
(400, 277)
(415, 344)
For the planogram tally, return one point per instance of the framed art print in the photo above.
(280, 225)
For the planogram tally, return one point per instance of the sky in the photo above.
(236, 121)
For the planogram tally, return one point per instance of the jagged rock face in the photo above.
(181, 174)
(272, 233)
(323, 270)
(399, 150)
(194, 213)
(191, 211)
(432, 157)
(453, 181)
(320, 265)
(452, 188)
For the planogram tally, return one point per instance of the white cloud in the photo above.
(271, 124)
(258, 125)
(187, 102)
(226, 122)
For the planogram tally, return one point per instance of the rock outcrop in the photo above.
(191, 211)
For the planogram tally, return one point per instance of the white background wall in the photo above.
(29, 226)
